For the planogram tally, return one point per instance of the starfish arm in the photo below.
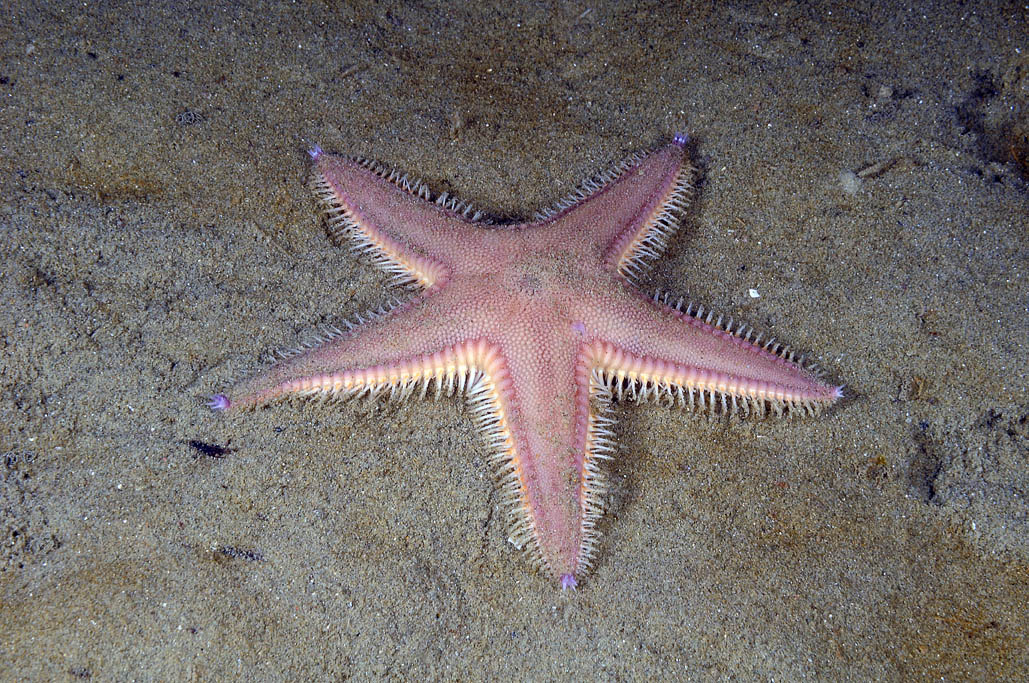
(390, 217)
(652, 350)
(633, 210)
(384, 355)
(553, 478)
(550, 452)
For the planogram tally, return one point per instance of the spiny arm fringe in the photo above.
(740, 331)
(624, 385)
(327, 333)
(588, 187)
(600, 446)
(484, 402)
(655, 237)
(420, 189)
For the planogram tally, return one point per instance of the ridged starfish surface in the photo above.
(540, 326)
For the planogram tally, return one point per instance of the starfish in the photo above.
(540, 326)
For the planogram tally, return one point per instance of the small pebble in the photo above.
(850, 182)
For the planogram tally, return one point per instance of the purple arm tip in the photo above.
(568, 582)
(315, 152)
(219, 403)
(681, 139)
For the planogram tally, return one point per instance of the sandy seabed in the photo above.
(864, 171)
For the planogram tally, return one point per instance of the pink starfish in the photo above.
(540, 327)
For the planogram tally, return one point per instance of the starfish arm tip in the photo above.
(219, 403)
(315, 152)
(837, 392)
(568, 582)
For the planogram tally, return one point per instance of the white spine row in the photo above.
(599, 448)
(366, 244)
(636, 379)
(588, 187)
(652, 239)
